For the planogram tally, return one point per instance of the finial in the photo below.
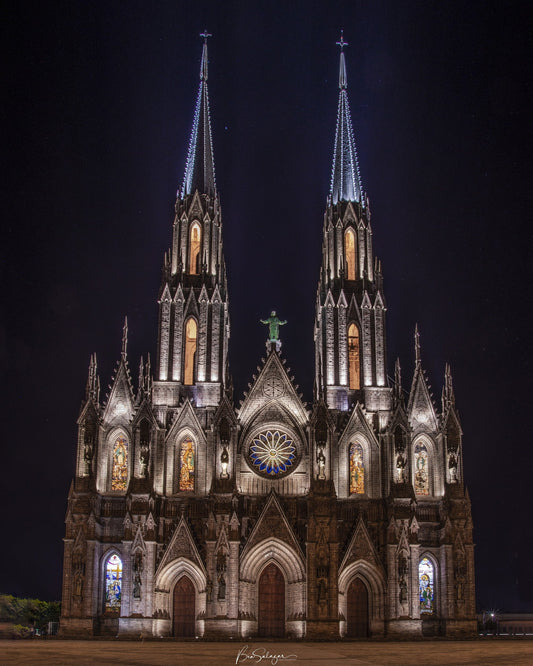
(417, 344)
(125, 339)
(343, 81)
(203, 68)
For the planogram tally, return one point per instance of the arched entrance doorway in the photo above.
(271, 620)
(184, 607)
(357, 616)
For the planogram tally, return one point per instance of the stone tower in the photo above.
(188, 516)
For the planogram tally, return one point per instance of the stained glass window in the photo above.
(272, 452)
(353, 357)
(421, 470)
(426, 583)
(113, 582)
(119, 475)
(349, 252)
(191, 334)
(187, 464)
(357, 469)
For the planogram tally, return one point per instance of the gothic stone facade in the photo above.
(188, 516)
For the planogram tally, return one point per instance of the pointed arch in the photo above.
(184, 607)
(112, 583)
(357, 609)
(271, 602)
(195, 244)
(357, 469)
(191, 342)
(120, 462)
(354, 362)
(186, 464)
(350, 253)
(426, 585)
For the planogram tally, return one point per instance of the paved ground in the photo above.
(267, 653)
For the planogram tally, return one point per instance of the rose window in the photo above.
(272, 452)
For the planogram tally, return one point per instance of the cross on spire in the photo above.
(341, 42)
(206, 34)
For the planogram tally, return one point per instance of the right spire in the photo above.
(345, 177)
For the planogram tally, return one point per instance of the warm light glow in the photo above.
(421, 470)
(119, 474)
(191, 334)
(349, 253)
(187, 465)
(426, 586)
(357, 469)
(353, 357)
(194, 253)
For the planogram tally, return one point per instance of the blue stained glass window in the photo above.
(426, 583)
(113, 582)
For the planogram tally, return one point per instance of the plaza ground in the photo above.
(167, 653)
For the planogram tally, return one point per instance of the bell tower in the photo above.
(350, 354)
(193, 301)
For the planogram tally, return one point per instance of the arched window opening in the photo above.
(191, 335)
(353, 357)
(426, 584)
(349, 253)
(113, 583)
(357, 469)
(119, 474)
(421, 470)
(187, 464)
(194, 253)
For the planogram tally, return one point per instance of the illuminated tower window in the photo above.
(353, 357)
(349, 253)
(191, 335)
(186, 464)
(119, 474)
(113, 583)
(421, 480)
(194, 254)
(426, 585)
(357, 470)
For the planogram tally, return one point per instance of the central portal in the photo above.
(271, 603)
(357, 610)
(184, 607)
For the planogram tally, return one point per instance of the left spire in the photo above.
(200, 166)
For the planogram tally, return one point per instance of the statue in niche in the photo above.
(221, 561)
(209, 589)
(88, 451)
(221, 587)
(138, 566)
(401, 463)
(452, 466)
(321, 461)
(273, 323)
(78, 569)
(321, 591)
(224, 460)
(403, 591)
(144, 457)
(402, 565)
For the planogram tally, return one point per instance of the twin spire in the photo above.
(345, 177)
(200, 166)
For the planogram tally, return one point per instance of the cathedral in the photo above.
(191, 517)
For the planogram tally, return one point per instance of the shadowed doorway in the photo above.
(271, 603)
(357, 617)
(184, 610)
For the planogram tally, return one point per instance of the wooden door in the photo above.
(271, 603)
(357, 609)
(184, 608)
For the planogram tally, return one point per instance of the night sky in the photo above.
(98, 102)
